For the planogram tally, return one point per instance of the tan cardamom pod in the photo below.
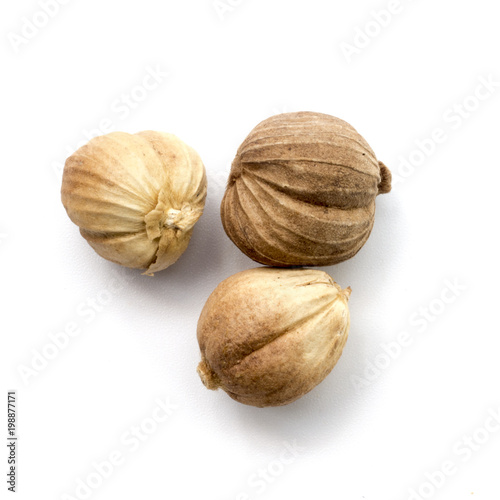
(302, 191)
(135, 197)
(268, 336)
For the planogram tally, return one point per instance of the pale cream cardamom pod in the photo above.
(135, 197)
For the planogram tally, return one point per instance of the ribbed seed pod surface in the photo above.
(135, 197)
(268, 336)
(302, 191)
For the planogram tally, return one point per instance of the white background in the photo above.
(228, 70)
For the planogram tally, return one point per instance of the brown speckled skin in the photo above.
(302, 191)
(268, 336)
(119, 189)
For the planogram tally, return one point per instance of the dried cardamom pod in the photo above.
(135, 197)
(302, 191)
(268, 336)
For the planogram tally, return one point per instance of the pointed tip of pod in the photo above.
(208, 377)
(384, 186)
(347, 292)
(236, 169)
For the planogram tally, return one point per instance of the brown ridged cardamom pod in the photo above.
(302, 191)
